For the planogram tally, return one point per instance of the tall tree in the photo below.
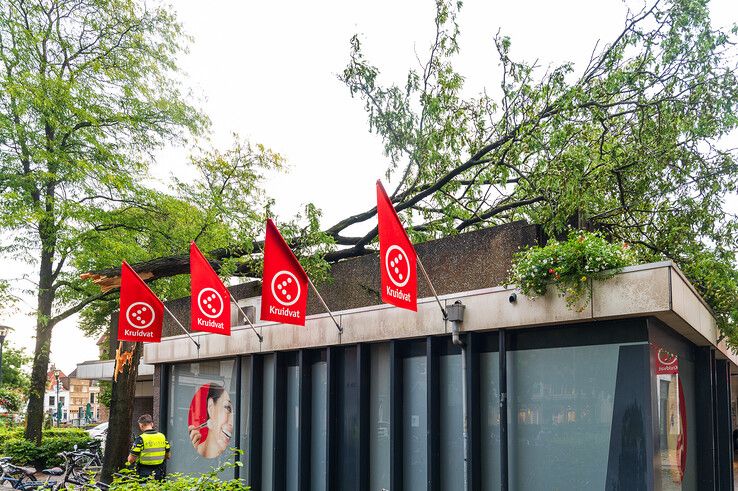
(87, 90)
(631, 144)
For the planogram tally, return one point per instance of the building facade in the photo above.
(84, 401)
(57, 391)
(632, 392)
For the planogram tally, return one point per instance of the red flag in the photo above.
(284, 283)
(396, 256)
(141, 312)
(209, 299)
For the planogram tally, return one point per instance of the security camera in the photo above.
(513, 297)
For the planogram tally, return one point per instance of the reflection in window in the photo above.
(415, 423)
(379, 419)
(292, 426)
(318, 427)
(452, 423)
(489, 399)
(560, 414)
(347, 385)
(267, 428)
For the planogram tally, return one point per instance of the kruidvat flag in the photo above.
(141, 312)
(209, 298)
(284, 283)
(396, 256)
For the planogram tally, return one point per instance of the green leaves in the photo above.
(210, 481)
(570, 266)
(16, 362)
(628, 144)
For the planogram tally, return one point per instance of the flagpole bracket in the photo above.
(246, 317)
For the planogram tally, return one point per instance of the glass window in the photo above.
(452, 422)
(200, 420)
(51, 401)
(348, 418)
(379, 417)
(489, 399)
(267, 427)
(676, 419)
(292, 427)
(245, 416)
(560, 416)
(318, 427)
(415, 422)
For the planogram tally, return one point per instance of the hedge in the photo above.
(54, 441)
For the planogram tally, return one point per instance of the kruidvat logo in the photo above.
(397, 265)
(667, 362)
(140, 315)
(210, 303)
(285, 288)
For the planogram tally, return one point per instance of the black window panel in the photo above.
(608, 332)
(344, 444)
(253, 460)
(303, 460)
(433, 348)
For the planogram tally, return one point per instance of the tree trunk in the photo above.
(35, 419)
(44, 328)
(118, 441)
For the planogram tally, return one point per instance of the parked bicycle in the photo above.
(79, 472)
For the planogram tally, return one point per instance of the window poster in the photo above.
(202, 407)
(673, 421)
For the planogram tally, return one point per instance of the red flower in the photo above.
(551, 271)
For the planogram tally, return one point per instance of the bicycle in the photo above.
(79, 470)
(16, 476)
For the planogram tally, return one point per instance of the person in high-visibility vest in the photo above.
(150, 450)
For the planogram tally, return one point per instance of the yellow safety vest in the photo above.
(153, 449)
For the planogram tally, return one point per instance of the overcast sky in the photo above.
(268, 71)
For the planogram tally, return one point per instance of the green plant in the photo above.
(128, 481)
(54, 441)
(570, 266)
(106, 393)
(11, 399)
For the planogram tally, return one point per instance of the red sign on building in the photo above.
(141, 312)
(284, 282)
(210, 301)
(396, 256)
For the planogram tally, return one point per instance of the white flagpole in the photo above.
(338, 326)
(433, 290)
(183, 328)
(261, 338)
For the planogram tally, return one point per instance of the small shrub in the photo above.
(210, 481)
(54, 441)
(570, 266)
